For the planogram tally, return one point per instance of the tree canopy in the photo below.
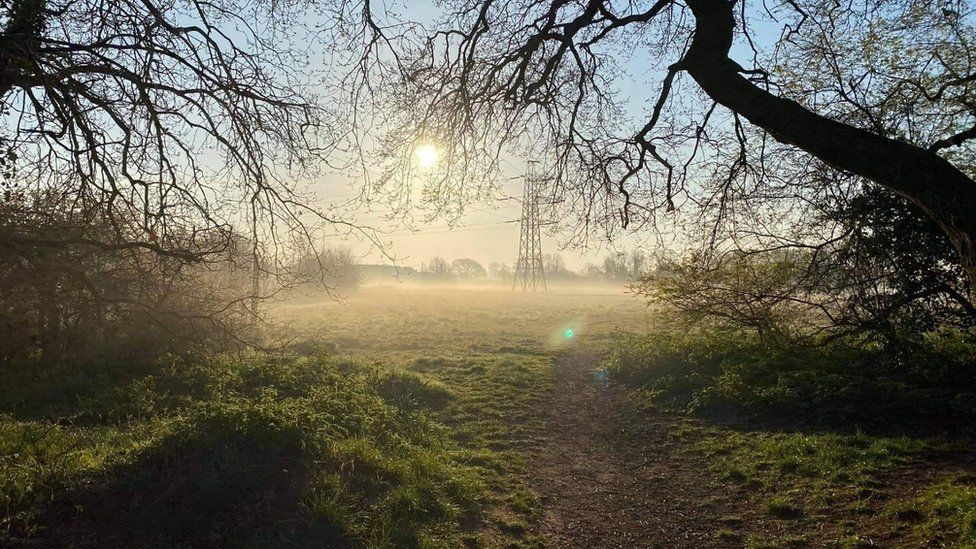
(187, 130)
(752, 111)
(152, 152)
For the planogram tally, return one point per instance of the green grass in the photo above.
(407, 419)
(944, 514)
(830, 458)
(807, 477)
(728, 535)
(783, 508)
(396, 419)
(826, 435)
(258, 449)
(485, 358)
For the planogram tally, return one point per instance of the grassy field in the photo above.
(492, 351)
(409, 418)
(398, 418)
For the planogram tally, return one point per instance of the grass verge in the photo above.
(838, 444)
(255, 451)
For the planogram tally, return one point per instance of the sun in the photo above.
(426, 155)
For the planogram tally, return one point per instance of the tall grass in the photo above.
(257, 450)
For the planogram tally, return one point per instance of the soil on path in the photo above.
(610, 475)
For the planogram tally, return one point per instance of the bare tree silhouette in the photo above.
(841, 94)
(141, 131)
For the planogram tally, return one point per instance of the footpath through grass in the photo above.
(492, 351)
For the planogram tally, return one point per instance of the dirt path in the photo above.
(610, 475)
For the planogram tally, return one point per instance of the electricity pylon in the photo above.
(529, 274)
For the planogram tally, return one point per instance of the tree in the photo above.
(500, 271)
(877, 91)
(140, 132)
(616, 267)
(438, 267)
(913, 171)
(109, 105)
(892, 272)
(554, 266)
(888, 275)
(637, 263)
(468, 269)
(330, 269)
(592, 271)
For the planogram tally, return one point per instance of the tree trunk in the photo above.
(924, 178)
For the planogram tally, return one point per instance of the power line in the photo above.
(491, 227)
(445, 229)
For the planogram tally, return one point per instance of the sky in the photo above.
(489, 231)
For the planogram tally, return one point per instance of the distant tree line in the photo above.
(615, 267)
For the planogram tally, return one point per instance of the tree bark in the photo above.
(922, 177)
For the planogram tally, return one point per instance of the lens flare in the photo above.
(568, 334)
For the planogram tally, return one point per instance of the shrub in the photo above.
(93, 292)
(841, 383)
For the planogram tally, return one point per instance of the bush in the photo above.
(841, 383)
(74, 289)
